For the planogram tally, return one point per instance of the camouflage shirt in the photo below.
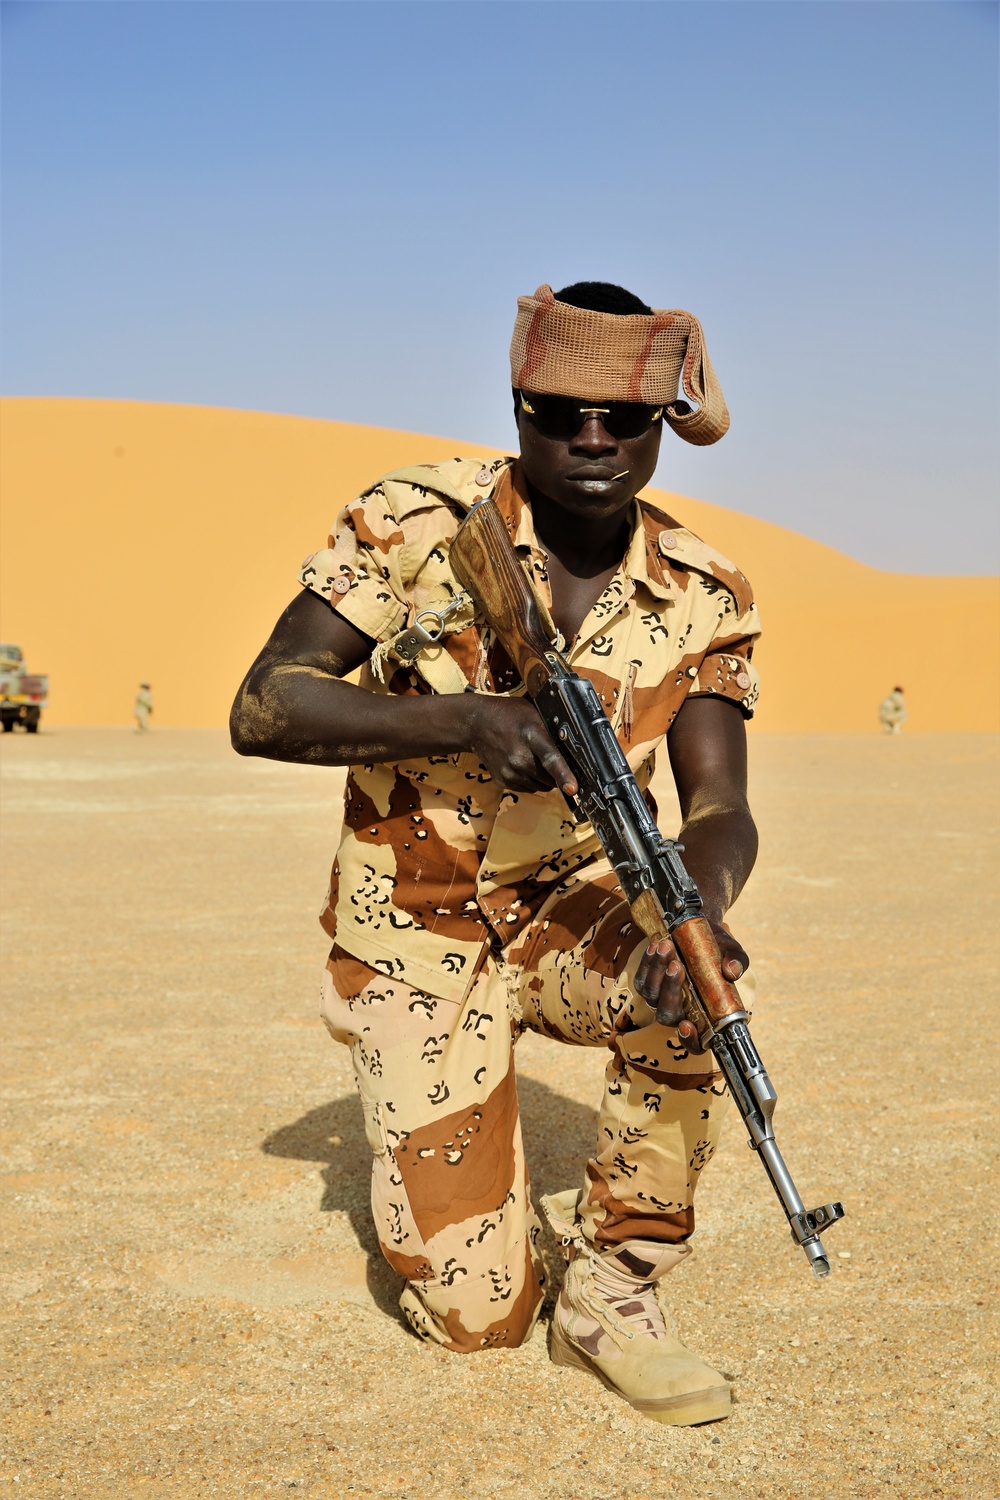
(436, 860)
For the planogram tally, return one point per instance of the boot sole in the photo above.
(689, 1410)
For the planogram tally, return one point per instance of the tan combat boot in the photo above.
(609, 1321)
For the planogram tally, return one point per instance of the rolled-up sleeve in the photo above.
(727, 670)
(358, 571)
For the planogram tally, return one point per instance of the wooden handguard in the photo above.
(699, 953)
(484, 561)
(708, 995)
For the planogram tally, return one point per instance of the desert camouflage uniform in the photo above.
(463, 914)
(143, 709)
(892, 712)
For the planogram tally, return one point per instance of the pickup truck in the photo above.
(22, 695)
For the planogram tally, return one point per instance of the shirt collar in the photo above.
(514, 504)
(642, 562)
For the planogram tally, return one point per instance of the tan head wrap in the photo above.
(569, 351)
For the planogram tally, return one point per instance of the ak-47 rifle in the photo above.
(661, 894)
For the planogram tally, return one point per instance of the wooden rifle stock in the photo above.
(484, 561)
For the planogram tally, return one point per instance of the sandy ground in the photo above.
(193, 1306)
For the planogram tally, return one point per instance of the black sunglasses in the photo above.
(563, 417)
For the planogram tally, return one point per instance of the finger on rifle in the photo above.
(519, 782)
(658, 980)
(670, 1000)
(555, 764)
(560, 772)
(524, 775)
(734, 957)
(688, 1033)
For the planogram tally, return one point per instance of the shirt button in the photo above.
(341, 585)
(743, 680)
(484, 477)
(667, 541)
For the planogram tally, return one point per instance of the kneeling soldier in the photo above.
(466, 905)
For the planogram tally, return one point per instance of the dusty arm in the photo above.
(293, 705)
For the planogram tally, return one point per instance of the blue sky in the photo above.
(329, 209)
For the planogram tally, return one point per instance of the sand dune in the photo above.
(160, 542)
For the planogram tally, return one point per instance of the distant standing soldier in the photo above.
(892, 711)
(144, 707)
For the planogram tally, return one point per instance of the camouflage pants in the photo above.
(436, 1079)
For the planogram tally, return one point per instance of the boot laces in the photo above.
(631, 1300)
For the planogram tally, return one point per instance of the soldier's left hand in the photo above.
(660, 975)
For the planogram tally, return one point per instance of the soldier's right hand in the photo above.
(513, 744)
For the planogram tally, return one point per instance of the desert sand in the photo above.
(160, 543)
(195, 1306)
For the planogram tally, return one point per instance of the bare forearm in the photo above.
(720, 848)
(301, 713)
(293, 704)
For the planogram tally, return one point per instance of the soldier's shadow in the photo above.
(559, 1135)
